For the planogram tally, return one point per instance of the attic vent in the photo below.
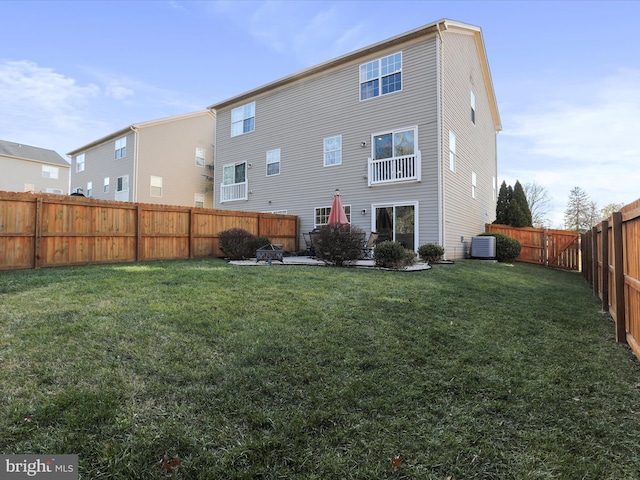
(483, 247)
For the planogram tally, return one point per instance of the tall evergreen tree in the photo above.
(519, 212)
(502, 205)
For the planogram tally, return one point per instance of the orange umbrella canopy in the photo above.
(337, 215)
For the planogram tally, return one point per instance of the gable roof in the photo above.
(137, 126)
(439, 26)
(34, 154)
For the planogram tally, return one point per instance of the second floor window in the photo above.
(394, 144)
(243, 119)
(200, 156)
(473, 107)
(333, 150)
(50, 172)
(452, 151)
(121, 148)
(122, 184)
(235, 173)
(89, 189)
(381, 76)
(156, 186)
(273, 162)
(105, 185)
(80, 163)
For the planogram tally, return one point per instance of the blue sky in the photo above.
(566, 74)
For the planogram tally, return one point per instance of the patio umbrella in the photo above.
(337, 215)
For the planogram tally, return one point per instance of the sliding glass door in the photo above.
(396, 222)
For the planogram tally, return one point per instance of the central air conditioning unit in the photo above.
(483, 247)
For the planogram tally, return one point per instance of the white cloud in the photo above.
(586, 136)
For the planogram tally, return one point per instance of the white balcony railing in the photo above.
(234, 191)
(395, 169)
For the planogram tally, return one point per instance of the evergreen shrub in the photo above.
(236, 243)
(391, 254)
(507, 248)
(337, 244)
(431, 252)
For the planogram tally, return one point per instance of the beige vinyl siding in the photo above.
(298, 117)
(18, 172)
(168, 150)
(475, 144)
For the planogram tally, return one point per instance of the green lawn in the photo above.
(472, 370)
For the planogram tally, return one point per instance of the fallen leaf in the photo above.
(28, 418)
(396, 463)
(169, 464)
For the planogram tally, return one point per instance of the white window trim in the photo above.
(452, 151)
(80, 163)
(125, 179)
(155, 182)
(120, 148)
(416, 213)
(243, 118)
(198, 198)
(474, 184)
(327, 211)
(50, 172)
(271, 157)
(201, 155)
(325, 151)
(473, 107)
(380, 76)
(105, 185)
(89, 189)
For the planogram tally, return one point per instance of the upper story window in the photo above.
(89, 189)
(333, 150)
(381, 76)
(234, 182)
(200, 156)
(273, 162)
(156, 186)
(121, 148)
(49, 172)
(198, 200)
(105, 185)
(474, 181)
(122, 184)
(473, 108)
(394, 144)
(243, 119)
(452, 151)
(80, 163)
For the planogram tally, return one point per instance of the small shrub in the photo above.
(235, 243)
(507, 248)
(338, 244)
(391, 254)
(431, 252)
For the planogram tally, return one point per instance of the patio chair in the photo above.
(309, 245)
(369, 245)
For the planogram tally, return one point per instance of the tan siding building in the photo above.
(163, 162)
(24, 168)
(374, 124)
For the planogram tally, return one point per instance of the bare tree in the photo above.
(608, 210)
(538, 199)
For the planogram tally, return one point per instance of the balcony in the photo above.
(234, 191)
(395, 169)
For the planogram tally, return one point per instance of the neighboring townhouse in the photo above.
(405, 128)
(162, 161)
(31, 169)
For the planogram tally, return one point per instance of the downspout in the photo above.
(134, 184)
(441, 235)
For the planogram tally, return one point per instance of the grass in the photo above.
(471, 370)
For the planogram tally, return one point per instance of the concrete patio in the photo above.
(304, 260)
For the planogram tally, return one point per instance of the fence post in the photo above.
(605, 266)
(594, 256)
(618, 275)
(138, 233)
(37, 241)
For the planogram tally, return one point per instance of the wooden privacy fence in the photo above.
(40, 230)
(543, 246)
(611, 263)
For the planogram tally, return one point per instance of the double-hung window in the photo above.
(473, 108)
(273, 162)
(474, 182)
(156, 186)
(89, 189)
(122, 184)
(50, 172)
(198, 200)
(243, 119)
(80, 163)
(452, 151)
(321, 214)
(381, 76)
(121, 148)
(333, 151)
(105, 185)
(200, 156)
